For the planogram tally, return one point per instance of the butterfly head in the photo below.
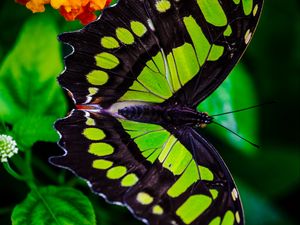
(203, 119)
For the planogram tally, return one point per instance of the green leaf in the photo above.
(41, 129)
(28, 74)
(236, 92)
(28, 83)
(54, 206)
(275, 173)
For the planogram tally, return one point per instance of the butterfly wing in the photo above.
(163, 177)
(155, 50)
(229, 46)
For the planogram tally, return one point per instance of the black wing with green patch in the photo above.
(150, 170)
(95, 144)
(151, 51)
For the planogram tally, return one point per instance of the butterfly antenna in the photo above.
(251, 143)
(240, 110)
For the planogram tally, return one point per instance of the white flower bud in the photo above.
(8, 147)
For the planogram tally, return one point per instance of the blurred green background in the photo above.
(268, 178)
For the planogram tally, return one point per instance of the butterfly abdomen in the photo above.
(174, 116)
(143, 113)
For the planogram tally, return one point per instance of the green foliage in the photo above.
(258, 210)
(53, 205)
(30, 96)
(236, 92)
(267, 171)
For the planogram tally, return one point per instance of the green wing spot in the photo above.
(138, 87)
(216, 52)
(174, 78)
(236, 1)
(101, 149)
(106, 60)
(167, 148)
(206, 174)
(124, 36)
(158, 210)
(154, 140)
(90, 122)
(255, 10)
(247, 6)
(129, 180)
(188, 177)
(102, 164)
(140, 96)
(148, 137)
(162, 5)
(228, 218)
(93, 134)
(193, 207)
(138, 28)
(159, 62)
(214, 193)
(174, 150)
(186, 61)
(109, 42)
(237, 217)
(215, 221)
(144, 198)
(154, 155)
(153, 66)
(92, 91)
(200, 42)
(228, 31)
(97, 77)
(213, 12)
(155, 83)
(116, 172)
(137, 126)
(172, 163)
(152, 85)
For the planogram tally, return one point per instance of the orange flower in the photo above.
(82, 10)
(34, 5)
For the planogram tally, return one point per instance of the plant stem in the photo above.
(29, 172)
(12, 172)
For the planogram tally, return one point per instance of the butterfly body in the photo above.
(170, 116)
(137, 75)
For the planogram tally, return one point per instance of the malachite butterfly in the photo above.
(137, 75)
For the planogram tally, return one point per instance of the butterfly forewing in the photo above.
(148, 50)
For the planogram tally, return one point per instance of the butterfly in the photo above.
(136, 76)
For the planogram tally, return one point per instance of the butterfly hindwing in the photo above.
(183, 197)
(96, 144)
(154, 50)
(149, 169)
